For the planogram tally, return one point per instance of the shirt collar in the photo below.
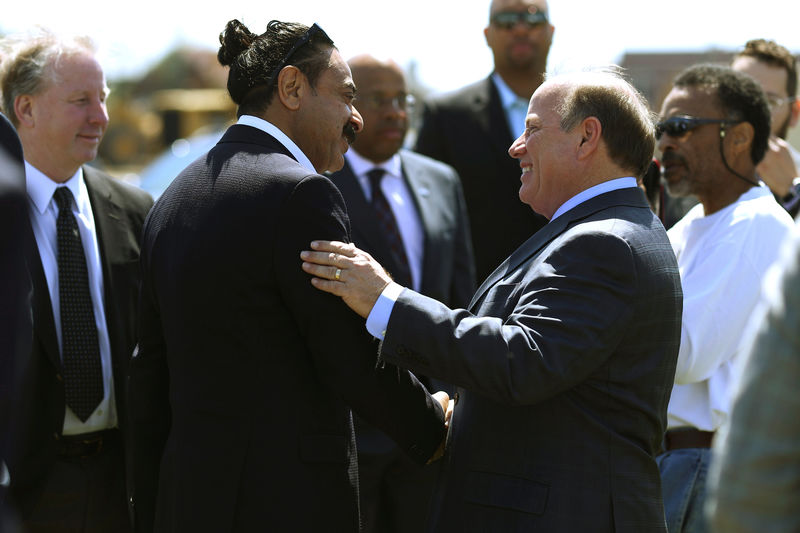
(271, 129)
(361, 165)
(591, 192)
(41, 188)
(507, 97)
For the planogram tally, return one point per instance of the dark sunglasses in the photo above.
(509, 19)
(310, 32)
(680, 126)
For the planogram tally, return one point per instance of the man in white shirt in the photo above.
(775, 69)
(713, 132)
(67, 458)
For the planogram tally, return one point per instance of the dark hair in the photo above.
(740, 97)
(626, 119)
(252, 59)
(775, 55)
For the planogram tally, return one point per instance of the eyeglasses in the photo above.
(775, 102)
(680, 126)
(509, 19)
(374, 102)
(310, 32)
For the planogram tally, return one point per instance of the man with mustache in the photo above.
(775, 69)
(416, 226)
(67, 456)
(241, 390)
(472, 128)
(715, 124)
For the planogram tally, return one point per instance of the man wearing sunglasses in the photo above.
(775, 69)
(713, 132)
(472, 128)
(245, 375)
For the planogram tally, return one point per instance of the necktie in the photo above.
(385, 217)
(83, 375)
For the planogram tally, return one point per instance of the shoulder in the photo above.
(419, 162)
(126, 195)
(479, 90)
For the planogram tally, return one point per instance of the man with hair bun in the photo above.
(241, 390)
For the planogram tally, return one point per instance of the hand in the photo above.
(447, 406)
(777, 169)
(344, 270)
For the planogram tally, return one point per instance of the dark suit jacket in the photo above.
(15, 285)
(468, 130)
(239, 393)
(119, 212)
(566, 361)
(448, 269)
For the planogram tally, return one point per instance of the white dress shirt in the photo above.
(401, 201)
(43, 215)
(378, 318)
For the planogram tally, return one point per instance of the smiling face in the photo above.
(328, 116)
(64, 123)
(381, 102)
(544, 152)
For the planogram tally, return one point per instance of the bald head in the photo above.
(517, 5)
(381, 99)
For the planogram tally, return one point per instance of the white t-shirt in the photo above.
(722, 259)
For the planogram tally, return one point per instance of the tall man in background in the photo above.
(472, 128)
(775, 69)
(66, 462)
(713, 132)
(416, 226)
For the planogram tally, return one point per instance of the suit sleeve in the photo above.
(148, 402)
(343, 353)
(538, 336)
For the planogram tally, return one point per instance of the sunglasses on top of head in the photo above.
(509, 19)
(679, 126)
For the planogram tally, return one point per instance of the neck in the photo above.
(724, 196)
(523, 83)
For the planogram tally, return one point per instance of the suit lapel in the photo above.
(421, 187)
(628, 196)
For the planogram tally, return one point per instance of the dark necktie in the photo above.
(391, 231)
(83, 373)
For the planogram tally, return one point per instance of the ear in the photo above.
(291, 87)
(740, 138)
(795, 112)
(590, 131)
(23, 109)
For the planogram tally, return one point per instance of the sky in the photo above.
(443, 37)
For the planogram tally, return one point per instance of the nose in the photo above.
(356, 120)
(98, 113)
(518, 149)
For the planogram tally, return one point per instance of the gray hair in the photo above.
(29, 63)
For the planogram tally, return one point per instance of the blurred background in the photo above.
(168, 102)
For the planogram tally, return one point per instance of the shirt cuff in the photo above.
(378, 318)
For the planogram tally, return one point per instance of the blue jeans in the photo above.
(683, 484)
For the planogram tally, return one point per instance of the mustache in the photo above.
(349, 133)
(670, 157)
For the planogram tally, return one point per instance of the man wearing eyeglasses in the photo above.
(713, 132)
(775, 69)
(472, 128)
(416, 226)
(241, 390)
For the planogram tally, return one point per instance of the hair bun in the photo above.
(234, 40)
